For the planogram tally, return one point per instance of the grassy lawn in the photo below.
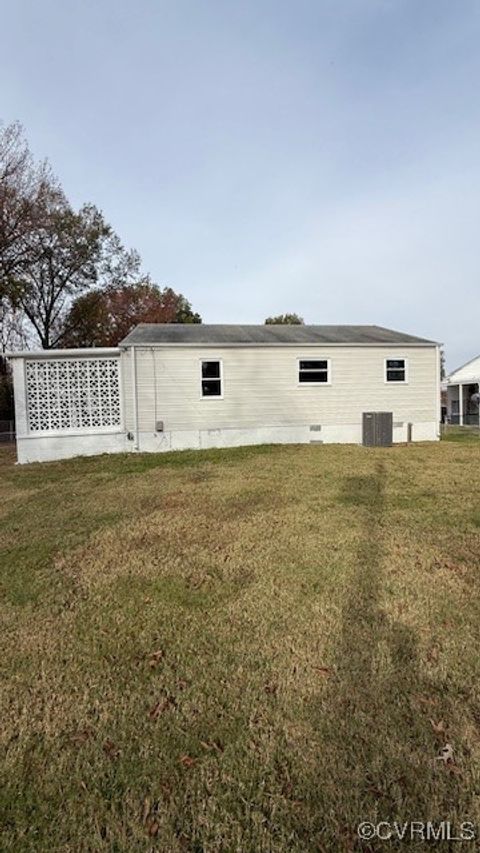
(239, 650)
(460, 433)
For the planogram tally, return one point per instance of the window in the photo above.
(313, 372)
(395, 370)
(211, 378)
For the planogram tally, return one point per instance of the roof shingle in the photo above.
(193, 334)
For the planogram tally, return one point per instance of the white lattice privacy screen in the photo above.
(67, 394)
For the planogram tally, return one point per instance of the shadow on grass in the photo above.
(376, 746)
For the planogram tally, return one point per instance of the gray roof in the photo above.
(198, 334)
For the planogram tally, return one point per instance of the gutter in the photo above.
(399, 345)
(439, 394)
(62, 353)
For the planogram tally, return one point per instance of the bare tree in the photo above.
(24, 186)
(73, 251)
(50, 253)
(13, 335)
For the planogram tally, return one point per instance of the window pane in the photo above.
(211, 388)
(313, 376)
(211, 369)
(313, 365)
(395, 376)
(396, 363)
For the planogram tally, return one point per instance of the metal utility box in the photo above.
(377, 429)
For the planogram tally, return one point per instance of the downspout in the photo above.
(134, 398)
(439, 394)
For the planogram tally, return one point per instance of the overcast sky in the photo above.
(267, 156)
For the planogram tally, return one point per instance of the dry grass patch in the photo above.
(238, 650)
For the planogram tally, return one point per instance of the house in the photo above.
(171, 387)
(463, 394)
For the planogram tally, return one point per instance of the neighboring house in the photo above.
(171, 387)
(463, 388)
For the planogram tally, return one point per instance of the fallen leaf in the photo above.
(155, 658)
(450, 565)
(438, 728)
(187, 761)
(146, 810)
(160, 707)
(377, 792)
(81, 737)
(271, 688)
(153, 827)
(211, 745)
(425, 700)
(446, 754)
(323, 670)
(166, 791)
(110, 749)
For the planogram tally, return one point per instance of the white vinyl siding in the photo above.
(469, 372)
(262, 387)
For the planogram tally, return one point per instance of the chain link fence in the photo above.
(7, 431)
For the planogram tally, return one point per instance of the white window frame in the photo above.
(213, 396)
(395, 358)
(314, 384)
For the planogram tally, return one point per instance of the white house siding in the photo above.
(468, 373)
(459, 389)
(262, 401)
